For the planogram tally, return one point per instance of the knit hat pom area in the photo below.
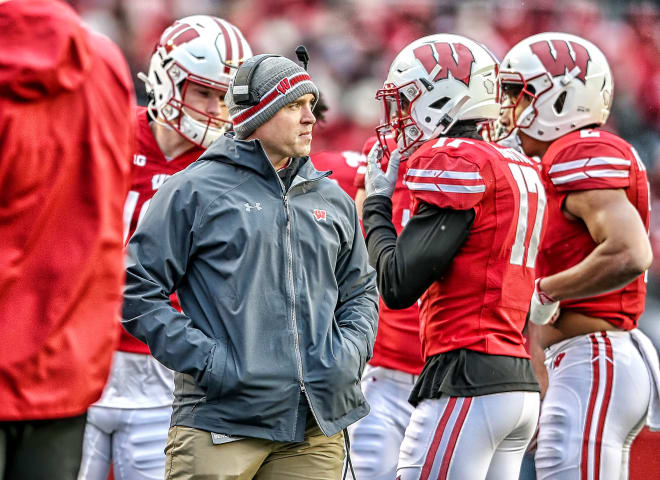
(276, 82)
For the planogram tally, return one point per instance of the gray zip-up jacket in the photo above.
(278, 296)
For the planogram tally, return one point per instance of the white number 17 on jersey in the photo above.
(528, 181)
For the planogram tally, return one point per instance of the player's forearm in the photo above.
(610, 266)
(408, 264)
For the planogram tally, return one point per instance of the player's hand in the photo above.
(543, 309)
(376, 181)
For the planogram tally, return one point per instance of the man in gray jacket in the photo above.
(279, 303)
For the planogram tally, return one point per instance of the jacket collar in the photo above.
(250, 154)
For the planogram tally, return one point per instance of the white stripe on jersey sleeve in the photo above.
(415, 172)
(462, 188)
(429, 187)
(574, 177)
(443, 187)
(587, 162)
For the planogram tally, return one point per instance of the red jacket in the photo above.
(66, 139)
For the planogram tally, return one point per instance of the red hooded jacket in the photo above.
(66, 138)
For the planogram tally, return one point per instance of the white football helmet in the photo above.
(433, 83)
(569, 82)
(200, 49)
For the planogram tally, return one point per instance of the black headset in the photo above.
(242, 89)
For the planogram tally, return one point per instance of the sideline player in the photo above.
(469, 251)
(66, 101)
(390, 375)
(558, 91)
(188, 76)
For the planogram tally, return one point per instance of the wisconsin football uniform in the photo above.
(482, 300)
(590, 160)
(607, 371)
(477, 376)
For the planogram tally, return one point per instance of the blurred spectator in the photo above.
(66, 103)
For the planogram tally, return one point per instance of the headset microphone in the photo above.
(303, 57)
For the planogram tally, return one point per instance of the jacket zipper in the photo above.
(301, 381)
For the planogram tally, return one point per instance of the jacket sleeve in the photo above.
(157, 259)
(357, 306)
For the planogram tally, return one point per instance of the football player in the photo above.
(188, 76)
(590, 287)
(468, 250)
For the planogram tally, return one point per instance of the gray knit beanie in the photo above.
(277, 81)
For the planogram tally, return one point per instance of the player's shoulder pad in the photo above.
(449, 173)
(589, 159)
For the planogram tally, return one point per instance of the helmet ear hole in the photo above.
(558, 106)
(438, 104)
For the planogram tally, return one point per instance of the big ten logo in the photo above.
(139, 160)
(158, 180)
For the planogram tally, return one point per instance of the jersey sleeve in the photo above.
(446, 181)
(589, 166)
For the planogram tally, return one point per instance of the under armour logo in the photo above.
(319, 215)
(283, 86)
(249, 208)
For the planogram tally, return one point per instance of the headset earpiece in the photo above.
(242, 89)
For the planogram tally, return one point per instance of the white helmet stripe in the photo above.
(228, 47)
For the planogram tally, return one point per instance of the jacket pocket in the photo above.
(357, 358)
(216, 375)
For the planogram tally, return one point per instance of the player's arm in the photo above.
(408, 265)
(623, 251)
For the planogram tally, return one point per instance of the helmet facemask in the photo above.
(194, 124)
(397, 119)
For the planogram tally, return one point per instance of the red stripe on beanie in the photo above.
(272, 95)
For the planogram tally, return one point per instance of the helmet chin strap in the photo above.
(146, 81)
(447, 115)
(524, 115)
(568, 78)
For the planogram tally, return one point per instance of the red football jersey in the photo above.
(150, 169)
(588, 160)
(397, 340)
(481, 301)
(343, 165)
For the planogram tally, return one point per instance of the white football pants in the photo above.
(132, 440)
(469, 438)
(596, 404)
(376, 439)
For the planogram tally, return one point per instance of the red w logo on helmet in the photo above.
(440, 59)
(179, 33)
(558, 60)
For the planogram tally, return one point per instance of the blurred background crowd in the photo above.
(352, 42)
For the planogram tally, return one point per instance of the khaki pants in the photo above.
(192, 455)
